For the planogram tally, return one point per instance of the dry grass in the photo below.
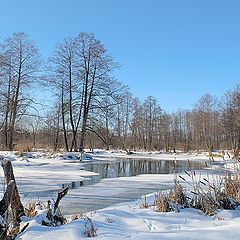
(162, 202)
(90, 231)
(171, 200)
(145, 204)
(23, 147)
(31, 211)
(74, 217)
(20, 153)
(232, 184)
(220, 193)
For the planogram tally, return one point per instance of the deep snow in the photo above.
(40, 171)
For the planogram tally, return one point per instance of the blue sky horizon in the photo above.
(174, 50)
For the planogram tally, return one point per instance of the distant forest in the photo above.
(91, 109)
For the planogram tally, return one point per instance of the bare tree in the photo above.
(206, 119)
(230, 118)
(82, 67)
(94, 68)
(21, 61)
(63, 67)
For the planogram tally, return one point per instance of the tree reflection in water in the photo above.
(124, 168)
(134, 167)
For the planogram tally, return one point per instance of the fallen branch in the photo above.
(61, 194)
(55, 218)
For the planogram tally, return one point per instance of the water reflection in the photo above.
(89, 197)
(133, 167)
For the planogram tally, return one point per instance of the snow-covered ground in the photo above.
(39, 171)
(130, 221)
(156, 155)
(232, 165)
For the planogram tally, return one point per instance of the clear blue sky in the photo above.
(175, 50)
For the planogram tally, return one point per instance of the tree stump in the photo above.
(16, 205)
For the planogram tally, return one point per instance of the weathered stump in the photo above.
(16, 205)
(4, 204)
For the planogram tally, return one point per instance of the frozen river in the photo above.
(116, 181)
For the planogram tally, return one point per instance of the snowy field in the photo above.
(130, 221)
(43, 171)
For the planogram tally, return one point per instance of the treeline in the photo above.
(89, 108)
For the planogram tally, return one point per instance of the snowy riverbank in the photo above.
(43, 170)
(40, 171)
(130, 221)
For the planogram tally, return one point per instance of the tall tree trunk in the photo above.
(63, 119)
(7, 110)
(74, 139)
(70, 108)
(83, 132)
(87, 102)
(15, 104)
